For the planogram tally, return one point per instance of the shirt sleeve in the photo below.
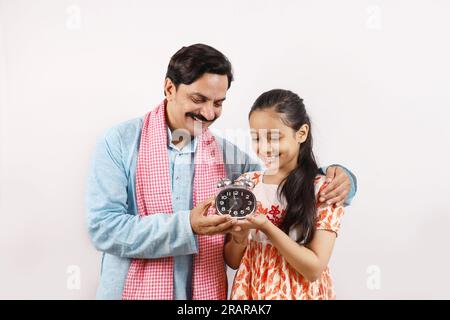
(328, 217)
(112, 229)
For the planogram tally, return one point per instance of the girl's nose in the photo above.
(265, 147)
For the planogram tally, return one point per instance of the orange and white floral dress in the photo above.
(264, 274)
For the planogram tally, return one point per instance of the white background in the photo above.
(374, 74)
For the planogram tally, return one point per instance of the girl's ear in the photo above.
(302, 133)
(169, 89)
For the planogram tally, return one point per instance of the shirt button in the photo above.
(177, 178)
(178, 198)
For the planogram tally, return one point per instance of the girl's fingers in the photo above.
(242, 222)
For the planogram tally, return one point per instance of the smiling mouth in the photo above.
(270, 160)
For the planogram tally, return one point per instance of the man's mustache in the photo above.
(200, 117)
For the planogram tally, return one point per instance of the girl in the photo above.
(282, 251)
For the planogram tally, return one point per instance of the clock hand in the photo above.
(229, 212)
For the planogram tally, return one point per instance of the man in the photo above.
(149, 191)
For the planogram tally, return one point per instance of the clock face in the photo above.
(237, 202)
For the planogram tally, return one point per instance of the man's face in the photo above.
(195, 106)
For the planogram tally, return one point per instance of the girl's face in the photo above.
(275, 143)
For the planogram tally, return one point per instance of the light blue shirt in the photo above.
(113, 222)
(181, 169)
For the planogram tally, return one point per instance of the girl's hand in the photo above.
(239, 235)
(253, 221)
(258, 221)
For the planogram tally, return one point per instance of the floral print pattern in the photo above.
(264, 274)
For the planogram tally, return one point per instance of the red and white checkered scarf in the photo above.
(153, 278)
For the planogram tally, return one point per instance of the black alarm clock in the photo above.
(236, 198)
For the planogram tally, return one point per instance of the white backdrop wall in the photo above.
(374, 75)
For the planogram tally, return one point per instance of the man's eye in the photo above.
(218, 105)
(197, 101)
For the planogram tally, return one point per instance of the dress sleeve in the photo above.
(328, 216)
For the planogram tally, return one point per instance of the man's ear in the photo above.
(302, 134)
(169, 89)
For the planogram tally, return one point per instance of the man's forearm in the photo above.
(147, 237)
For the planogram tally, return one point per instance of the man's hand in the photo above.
(212, 224)
(338, 186)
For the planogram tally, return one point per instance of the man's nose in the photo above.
(208, 112)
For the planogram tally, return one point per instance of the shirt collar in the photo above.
(189, 148)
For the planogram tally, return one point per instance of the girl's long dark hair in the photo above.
(298, 187)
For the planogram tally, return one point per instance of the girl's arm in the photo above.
(235, 245)
(311, 260)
